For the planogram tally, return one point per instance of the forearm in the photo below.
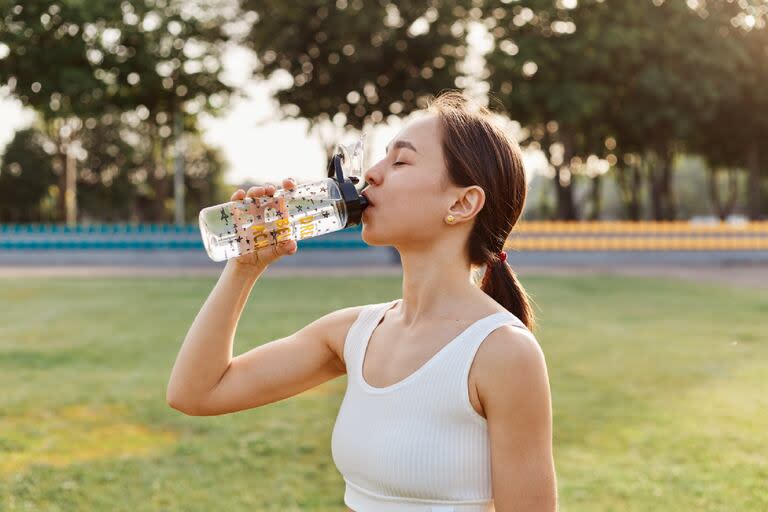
(207, 349)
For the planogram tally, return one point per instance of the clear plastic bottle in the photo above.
(331, 204)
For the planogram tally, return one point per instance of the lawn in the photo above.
(660, 397)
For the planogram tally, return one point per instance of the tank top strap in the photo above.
(481, 329)
(479, 333)
(370, 315)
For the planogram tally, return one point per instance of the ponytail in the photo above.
(501, 283)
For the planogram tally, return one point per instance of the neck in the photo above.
(436, 283)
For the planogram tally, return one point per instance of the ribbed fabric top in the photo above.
(417, 445)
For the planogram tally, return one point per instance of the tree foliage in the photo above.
(639, 80)
(26, 173)
(355, 62)
(83, 65)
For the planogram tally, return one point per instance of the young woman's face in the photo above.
(406, 188)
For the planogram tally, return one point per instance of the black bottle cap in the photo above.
(354, 201)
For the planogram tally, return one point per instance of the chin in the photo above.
(368, 237)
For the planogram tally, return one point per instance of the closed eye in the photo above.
(399, 163)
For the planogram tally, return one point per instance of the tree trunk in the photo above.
(70, 192)
(723, 207)
(656, 192)
(754, 189)
(660, 176)
(565, 206)
(566, 209)
(595, 195)
(61, 206)
(629, 182)
(178, 174)
(637, 184)
(65, 166)
(159, 179)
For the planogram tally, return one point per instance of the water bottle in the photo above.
(313, 209)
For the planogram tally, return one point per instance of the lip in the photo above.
(370, 202)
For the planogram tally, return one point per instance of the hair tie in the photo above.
(501, 257)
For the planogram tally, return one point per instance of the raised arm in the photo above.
(207, 380)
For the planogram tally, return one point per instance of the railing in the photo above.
(138, 237)
(526, 236)
(638, 236)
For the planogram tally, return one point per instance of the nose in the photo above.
(368, 177)
(372, 175)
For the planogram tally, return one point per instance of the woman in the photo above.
(448, 405)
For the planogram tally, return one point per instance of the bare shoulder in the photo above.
(510, 364)
(335, 326)
(508, 344)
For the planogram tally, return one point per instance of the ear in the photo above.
(468, 204)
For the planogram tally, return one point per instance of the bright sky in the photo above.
(256, 146)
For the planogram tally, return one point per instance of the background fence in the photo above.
(527, 236)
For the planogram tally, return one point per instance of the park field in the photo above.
(659, 387)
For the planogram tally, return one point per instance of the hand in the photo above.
(271, 253)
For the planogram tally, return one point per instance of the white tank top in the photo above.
(417, 445)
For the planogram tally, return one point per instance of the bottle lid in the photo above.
(350, 160)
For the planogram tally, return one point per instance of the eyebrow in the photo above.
(402, 144)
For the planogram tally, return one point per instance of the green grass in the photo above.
(660, 397)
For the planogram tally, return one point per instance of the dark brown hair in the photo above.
(477, 151)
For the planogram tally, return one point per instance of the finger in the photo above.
(237, 195)
(282, 206)
(255, 191)
(289, 183)
(277, 203)
(287, 247)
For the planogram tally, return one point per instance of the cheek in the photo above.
(415, 209)
(410, 217)
(410, 201)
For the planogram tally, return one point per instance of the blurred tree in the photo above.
(175, 70)
(736, 137)
(645, 74)
(72, 60)
(112, 174)
(680, 76)
(543, 70)
(46, 67)
(26, 174)
(723, 206)
(629, 180)
(107, 170)
(352, 64)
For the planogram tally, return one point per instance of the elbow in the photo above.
(185, 408)
(175, 402)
